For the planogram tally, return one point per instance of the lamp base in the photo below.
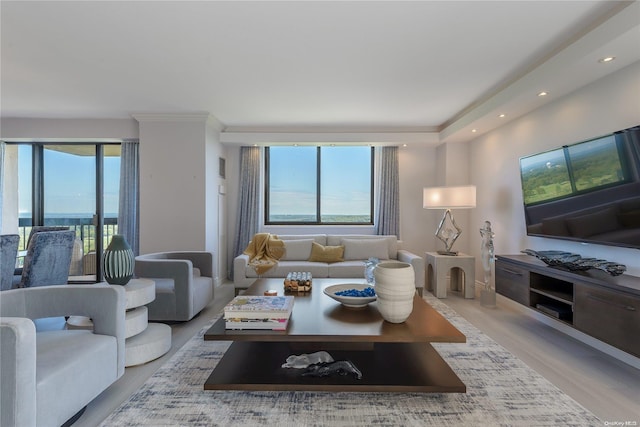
(449, 253)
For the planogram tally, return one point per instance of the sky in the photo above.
(69, 183)
(345, 174)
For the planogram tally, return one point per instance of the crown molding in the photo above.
(201, 116)
(389, 138)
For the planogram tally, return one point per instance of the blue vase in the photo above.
(118, 261)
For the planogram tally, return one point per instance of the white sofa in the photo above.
(357, 249)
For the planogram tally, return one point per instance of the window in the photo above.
(71, 185)
(319, 185)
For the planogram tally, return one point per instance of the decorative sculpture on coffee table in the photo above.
(488, 292)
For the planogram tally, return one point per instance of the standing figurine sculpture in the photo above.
(488, 293)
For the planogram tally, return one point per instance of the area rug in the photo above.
(501, 391)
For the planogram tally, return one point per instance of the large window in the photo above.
(71, 185)
(319, 185)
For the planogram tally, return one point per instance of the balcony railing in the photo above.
(85, 233)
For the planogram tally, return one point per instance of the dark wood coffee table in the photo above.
(391, 357)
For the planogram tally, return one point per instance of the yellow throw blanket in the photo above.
(264, 250)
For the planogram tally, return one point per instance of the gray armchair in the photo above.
(184, 283)
(48, 377)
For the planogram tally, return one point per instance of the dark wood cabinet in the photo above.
(512, 281)
(610, 316)
(602, 306)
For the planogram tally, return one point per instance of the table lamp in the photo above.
(458, 197)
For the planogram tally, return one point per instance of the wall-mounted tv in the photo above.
(586, 192)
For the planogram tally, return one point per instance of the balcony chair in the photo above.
(35, 229)
(48, 377)
(48, 259)
(184, 283)
(8, 252)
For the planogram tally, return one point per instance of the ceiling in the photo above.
(433, 67)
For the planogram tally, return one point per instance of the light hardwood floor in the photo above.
(606, 386)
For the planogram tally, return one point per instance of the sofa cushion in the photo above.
(320, 253)
(347, 269)
(297, 250)
(363, 249)
(61, 356)
(317, 269)
(392, 241)
(318, 238)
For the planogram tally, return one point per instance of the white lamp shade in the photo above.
(460, 197)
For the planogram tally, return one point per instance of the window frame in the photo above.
(318, 193)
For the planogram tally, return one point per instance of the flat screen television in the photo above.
(586, 192)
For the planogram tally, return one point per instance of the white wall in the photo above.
(68, 129)
(173, 184)
(607, 105)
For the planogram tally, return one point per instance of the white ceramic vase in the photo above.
(395, 288)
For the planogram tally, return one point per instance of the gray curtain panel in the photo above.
(388, 209)
(249, 203)
(2, 145)
(128, 210)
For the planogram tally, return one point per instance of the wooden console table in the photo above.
(592, 301)
(392, 357)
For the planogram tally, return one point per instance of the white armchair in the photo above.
(48, 377)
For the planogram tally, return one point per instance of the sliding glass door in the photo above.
(75, 186)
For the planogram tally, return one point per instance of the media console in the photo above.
(600, 305)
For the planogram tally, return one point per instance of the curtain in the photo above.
(388, 208)
(129, 203)
(2, 146)
(249, 194)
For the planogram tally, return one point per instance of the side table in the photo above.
(144, 341)
(437, 266)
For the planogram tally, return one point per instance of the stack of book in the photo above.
(258, 312)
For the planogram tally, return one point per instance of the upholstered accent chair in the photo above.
(184, 283)
(35, 229)
(48, 259)
(47, 377)
(8, 252)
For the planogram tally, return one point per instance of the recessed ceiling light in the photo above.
(474, 130)
(502, 115)
(606, 59)
(404, 145)
(543, 93)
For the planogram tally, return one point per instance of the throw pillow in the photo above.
(297, 250)
(328, 254)
(363, 249)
